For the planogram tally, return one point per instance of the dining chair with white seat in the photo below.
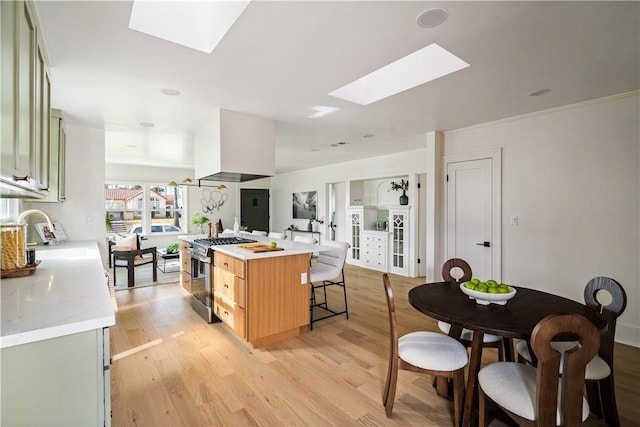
(466, 337)
(276, 235)
(328, 271)
(424, 352)
(259, 233)
(539, 396)
(599, 371)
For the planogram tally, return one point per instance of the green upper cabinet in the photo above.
(56, 159)
(25, 106)
(41, 158)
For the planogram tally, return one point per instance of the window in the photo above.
(143, 208)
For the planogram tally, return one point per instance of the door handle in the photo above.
(485, 244)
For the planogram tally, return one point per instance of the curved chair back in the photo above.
(610, 312)
(548, 368)
(393, 325)
(276, 235)
(259, 233)
(449, 265)
(335, 256)
(601, 391)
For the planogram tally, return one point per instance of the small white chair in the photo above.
(328, 271)
(259, 233)
(276, 235)
(598, 372)
(424, 352)
(540, 396)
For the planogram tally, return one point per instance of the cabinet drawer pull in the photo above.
(21, 178)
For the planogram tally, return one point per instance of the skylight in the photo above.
(199, 25)
(422, 66)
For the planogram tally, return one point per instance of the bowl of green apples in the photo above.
(489, 292)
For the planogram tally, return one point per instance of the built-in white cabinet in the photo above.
(382, 250)
(25, 106)
(358, 217)
(399, 235)
(57, 382)
(374, 251)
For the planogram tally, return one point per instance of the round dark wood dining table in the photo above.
(516, 319)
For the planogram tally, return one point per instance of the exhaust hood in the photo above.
(235, 147)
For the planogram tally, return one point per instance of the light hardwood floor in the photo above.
(170, 368)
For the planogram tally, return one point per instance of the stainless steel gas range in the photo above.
(202, 253)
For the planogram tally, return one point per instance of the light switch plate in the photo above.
(303, 278)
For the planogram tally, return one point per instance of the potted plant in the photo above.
(404, 186)
(311, 221)
(199, 220)
(172, 248)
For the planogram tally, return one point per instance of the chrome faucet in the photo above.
(24, 214)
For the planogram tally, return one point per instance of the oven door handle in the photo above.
(202, 260)
(199, 257)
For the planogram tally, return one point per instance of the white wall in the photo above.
(284, 185)
(82, 213)
(572, 178)
(410, 163)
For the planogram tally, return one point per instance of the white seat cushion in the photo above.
(130, 241)
(513, 386)
(431, 350)
(467, 334)
(596, 369)
(319, 272)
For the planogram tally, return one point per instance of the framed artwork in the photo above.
(47, 234)
(304, 204)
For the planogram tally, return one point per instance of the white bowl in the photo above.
(485, 298)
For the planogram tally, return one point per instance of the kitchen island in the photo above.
(54, 340)
(263, 296)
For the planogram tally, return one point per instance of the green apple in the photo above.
(503, 289)
(481, 287)
(274, 245)
(470, 285)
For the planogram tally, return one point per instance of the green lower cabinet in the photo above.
(61, 381)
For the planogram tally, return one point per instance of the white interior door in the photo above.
(422, 225)
(470, 217)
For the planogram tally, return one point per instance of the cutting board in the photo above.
(261, 248)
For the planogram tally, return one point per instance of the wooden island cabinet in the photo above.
(185, 265)
(264, 299)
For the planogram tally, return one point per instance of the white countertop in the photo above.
(66, 294)
(290, 247)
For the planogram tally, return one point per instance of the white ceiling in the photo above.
(280, 59)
